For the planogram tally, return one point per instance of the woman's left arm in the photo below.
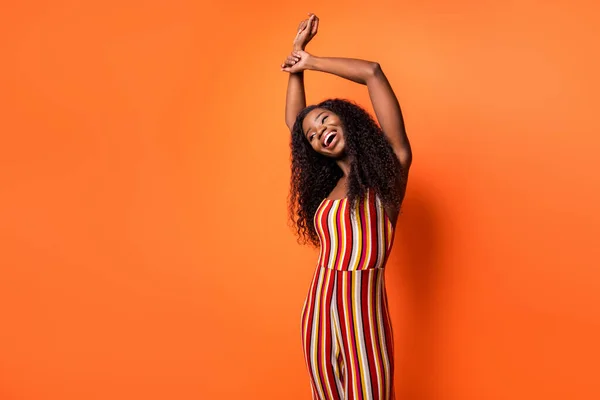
(389, 115)
(386, 106)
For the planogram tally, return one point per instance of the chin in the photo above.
(337, 155)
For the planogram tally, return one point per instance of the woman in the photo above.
(348, 181)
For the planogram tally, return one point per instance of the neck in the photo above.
(344, 164)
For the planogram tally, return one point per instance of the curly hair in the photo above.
(373, 165)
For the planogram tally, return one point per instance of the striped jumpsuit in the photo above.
(346, 327)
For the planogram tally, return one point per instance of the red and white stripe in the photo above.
(346, 328)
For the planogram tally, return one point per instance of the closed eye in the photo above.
(324, 118)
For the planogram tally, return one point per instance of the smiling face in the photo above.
(323, 130)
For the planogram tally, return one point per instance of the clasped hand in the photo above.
(297, 60)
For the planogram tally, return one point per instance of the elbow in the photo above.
(289, 124)
(406, 159)
(373, 71)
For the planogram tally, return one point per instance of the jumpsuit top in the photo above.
(353, 240)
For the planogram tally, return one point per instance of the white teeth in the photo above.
(327, 138)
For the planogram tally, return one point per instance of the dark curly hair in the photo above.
(373, 165)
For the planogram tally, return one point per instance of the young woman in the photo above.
(348, 180)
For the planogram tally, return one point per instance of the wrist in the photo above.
(312, 62)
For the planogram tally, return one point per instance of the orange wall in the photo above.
(144, 167)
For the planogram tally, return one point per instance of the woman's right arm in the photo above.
(295, 100)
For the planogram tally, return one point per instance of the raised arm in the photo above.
(296, 97)
(386, 106)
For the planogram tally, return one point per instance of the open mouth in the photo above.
(329, 138)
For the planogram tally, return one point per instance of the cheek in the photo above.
(318, 149)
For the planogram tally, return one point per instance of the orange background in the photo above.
(144, 246)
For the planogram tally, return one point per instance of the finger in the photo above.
(310, 22)
(315, 26)
(302, 26)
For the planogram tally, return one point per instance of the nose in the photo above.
(321, 130)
